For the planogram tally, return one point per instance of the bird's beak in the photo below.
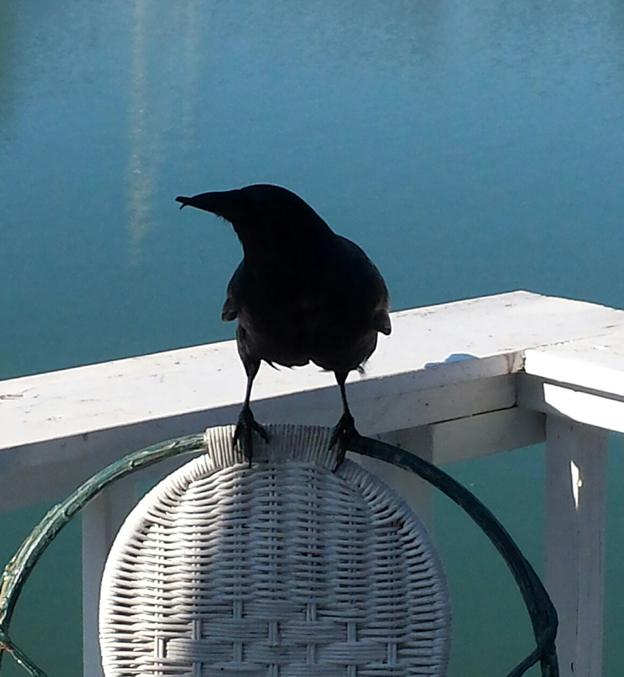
(222, 203)
(183, 200)
(205, 201)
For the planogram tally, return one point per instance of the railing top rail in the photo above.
(430, 347)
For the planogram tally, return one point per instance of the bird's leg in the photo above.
(345, 429)
(247, 424)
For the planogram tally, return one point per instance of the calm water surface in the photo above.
(471, 148)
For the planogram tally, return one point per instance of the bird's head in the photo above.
(262, 212)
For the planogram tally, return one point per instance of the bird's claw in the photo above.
(243, 433)
(341, 436)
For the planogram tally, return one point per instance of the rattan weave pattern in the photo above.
(285, 569)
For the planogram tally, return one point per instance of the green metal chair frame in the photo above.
(539, 606)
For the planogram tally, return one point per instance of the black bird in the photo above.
(301, 294)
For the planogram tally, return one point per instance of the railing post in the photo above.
(101, 520)
(575, 524)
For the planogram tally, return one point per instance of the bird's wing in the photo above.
(371, 285)
(231, 306)
(381, 321)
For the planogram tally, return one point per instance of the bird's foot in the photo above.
(341, 436)
(243, 433)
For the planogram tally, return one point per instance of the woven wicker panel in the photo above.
(284, 569)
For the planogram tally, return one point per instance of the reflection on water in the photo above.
(6, 33)
(143, 146)
(156, 110)
(188, 75)
(470, 148)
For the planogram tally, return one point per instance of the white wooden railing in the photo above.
(454, 381)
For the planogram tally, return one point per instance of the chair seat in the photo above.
(283, 569)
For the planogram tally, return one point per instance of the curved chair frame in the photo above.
(539, 606)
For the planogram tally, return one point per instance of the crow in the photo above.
(301, 294)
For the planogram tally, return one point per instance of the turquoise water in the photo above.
(470, 148)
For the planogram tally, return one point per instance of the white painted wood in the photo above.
(48, 470)
(575, 523)
(481, 434)
(441, 363)
(101, 520)
(601, 410)
(429, 347)
(595, 363)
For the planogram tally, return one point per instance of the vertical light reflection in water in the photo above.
(140, 171)
(162, 107)
(192, 50)
(178, 69)
(7, 47)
